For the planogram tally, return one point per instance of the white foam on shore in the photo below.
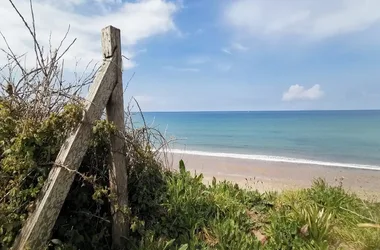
(269, 158)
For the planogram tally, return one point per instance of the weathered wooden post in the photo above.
(117, 170)
(105, 89)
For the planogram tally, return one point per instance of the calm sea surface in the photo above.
(337, 138)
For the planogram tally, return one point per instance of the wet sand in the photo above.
(278, 176)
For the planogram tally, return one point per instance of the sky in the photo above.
(204, 55)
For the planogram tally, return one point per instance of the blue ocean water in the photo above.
(347, 138)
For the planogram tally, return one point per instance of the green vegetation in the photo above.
(224, 216)
(168, 210)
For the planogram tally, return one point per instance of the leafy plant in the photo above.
(167, 210)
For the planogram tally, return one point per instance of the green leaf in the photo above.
(182, 167)
(181, 192)
(169, 243)
(56, 242)
(7, 152)
(199, 177)
(184, 247)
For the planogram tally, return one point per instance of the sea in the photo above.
(348, 139)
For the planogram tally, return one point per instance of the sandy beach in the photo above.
(278, 176)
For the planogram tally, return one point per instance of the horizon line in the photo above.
(272, 110)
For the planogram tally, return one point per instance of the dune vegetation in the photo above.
(168, 209)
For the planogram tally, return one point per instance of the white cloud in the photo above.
(194, 60)
(106, 1)
(169, 67)
(137, 20)
(308, 18)
(297, 92)
(227, 51)
(234, 47)
(238, 46)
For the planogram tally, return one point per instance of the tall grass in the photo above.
(224, 216)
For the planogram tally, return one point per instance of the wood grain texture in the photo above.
(111, 45)
(37, 229)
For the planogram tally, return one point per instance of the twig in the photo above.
(37, 46)
(142, 116)
(91, 215)
(67, 49)
(127, 84)
(359, 215)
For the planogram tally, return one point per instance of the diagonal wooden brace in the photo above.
(38, 227)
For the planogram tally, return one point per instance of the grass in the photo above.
(224, 216)
(167, 210)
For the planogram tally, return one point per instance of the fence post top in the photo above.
(110, 41)
(110, 27)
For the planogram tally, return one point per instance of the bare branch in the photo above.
(67, 49)
(127, 84)
(38, 50)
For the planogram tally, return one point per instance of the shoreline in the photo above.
(273, 158)
(278, 176)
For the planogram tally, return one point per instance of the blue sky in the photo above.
(231, 55)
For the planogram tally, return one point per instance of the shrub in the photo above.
(167, 210)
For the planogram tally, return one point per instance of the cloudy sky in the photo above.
(220, 54)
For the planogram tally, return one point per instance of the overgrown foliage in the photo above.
(224, 216)
(27, 151)
(167, 209)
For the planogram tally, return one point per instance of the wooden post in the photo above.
(37, 229)
(117, 170)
